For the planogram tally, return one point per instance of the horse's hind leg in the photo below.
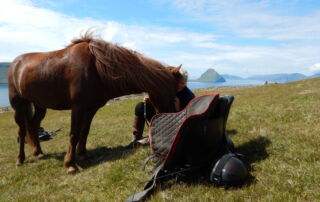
(20, 118)
(33, 127)
(28, 124)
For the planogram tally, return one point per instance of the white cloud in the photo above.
(315, 68)
(247, 60)
(27, 28)
(253, 19)
(143, 38)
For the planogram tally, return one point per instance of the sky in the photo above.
(238, 37)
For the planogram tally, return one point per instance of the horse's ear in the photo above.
(179, 67)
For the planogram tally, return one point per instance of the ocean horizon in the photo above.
(4, 99)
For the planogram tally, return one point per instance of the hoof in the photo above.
(19, 163)
(37, 152)
(40, 156)
(72, 170)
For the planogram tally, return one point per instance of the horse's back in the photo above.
(56, 79)
(27, 65)
(39, 78)
(16, 71)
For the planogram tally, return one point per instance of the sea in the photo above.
(4, 100)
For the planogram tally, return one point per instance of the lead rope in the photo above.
(145, 112)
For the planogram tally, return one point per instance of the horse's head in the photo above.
(166, 104)
(177, 75)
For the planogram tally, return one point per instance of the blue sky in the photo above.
(241, 37)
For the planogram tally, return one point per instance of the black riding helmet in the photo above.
(229, 170)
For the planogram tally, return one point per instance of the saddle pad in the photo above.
(165, 128)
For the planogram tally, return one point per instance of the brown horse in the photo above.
(81, 77)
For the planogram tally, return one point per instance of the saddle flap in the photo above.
(207, 136)
(203, 141)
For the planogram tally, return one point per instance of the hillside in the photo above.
(315, 75)
(3, 71)
(275, 126)
(279, 77)
(231, 77)
(211, 76)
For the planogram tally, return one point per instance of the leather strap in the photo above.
(148, 188)
(145, 112)
(147, 160)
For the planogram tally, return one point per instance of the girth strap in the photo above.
(158, 161)
(148, 188)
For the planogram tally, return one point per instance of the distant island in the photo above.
(281, 78)
(210, 76)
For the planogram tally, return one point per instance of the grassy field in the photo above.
(277, 127)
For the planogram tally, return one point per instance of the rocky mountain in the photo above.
(315, 75)
(211, 76)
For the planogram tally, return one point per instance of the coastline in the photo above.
(134, 96)
(5, 109)
(222, 88)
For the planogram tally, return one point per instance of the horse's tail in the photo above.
(12, 80)
(23, 108)
(24, 114)
(29, 120)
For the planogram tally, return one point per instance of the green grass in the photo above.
(276, 126)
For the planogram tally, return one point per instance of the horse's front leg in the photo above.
(85, 128)
(76, 120)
